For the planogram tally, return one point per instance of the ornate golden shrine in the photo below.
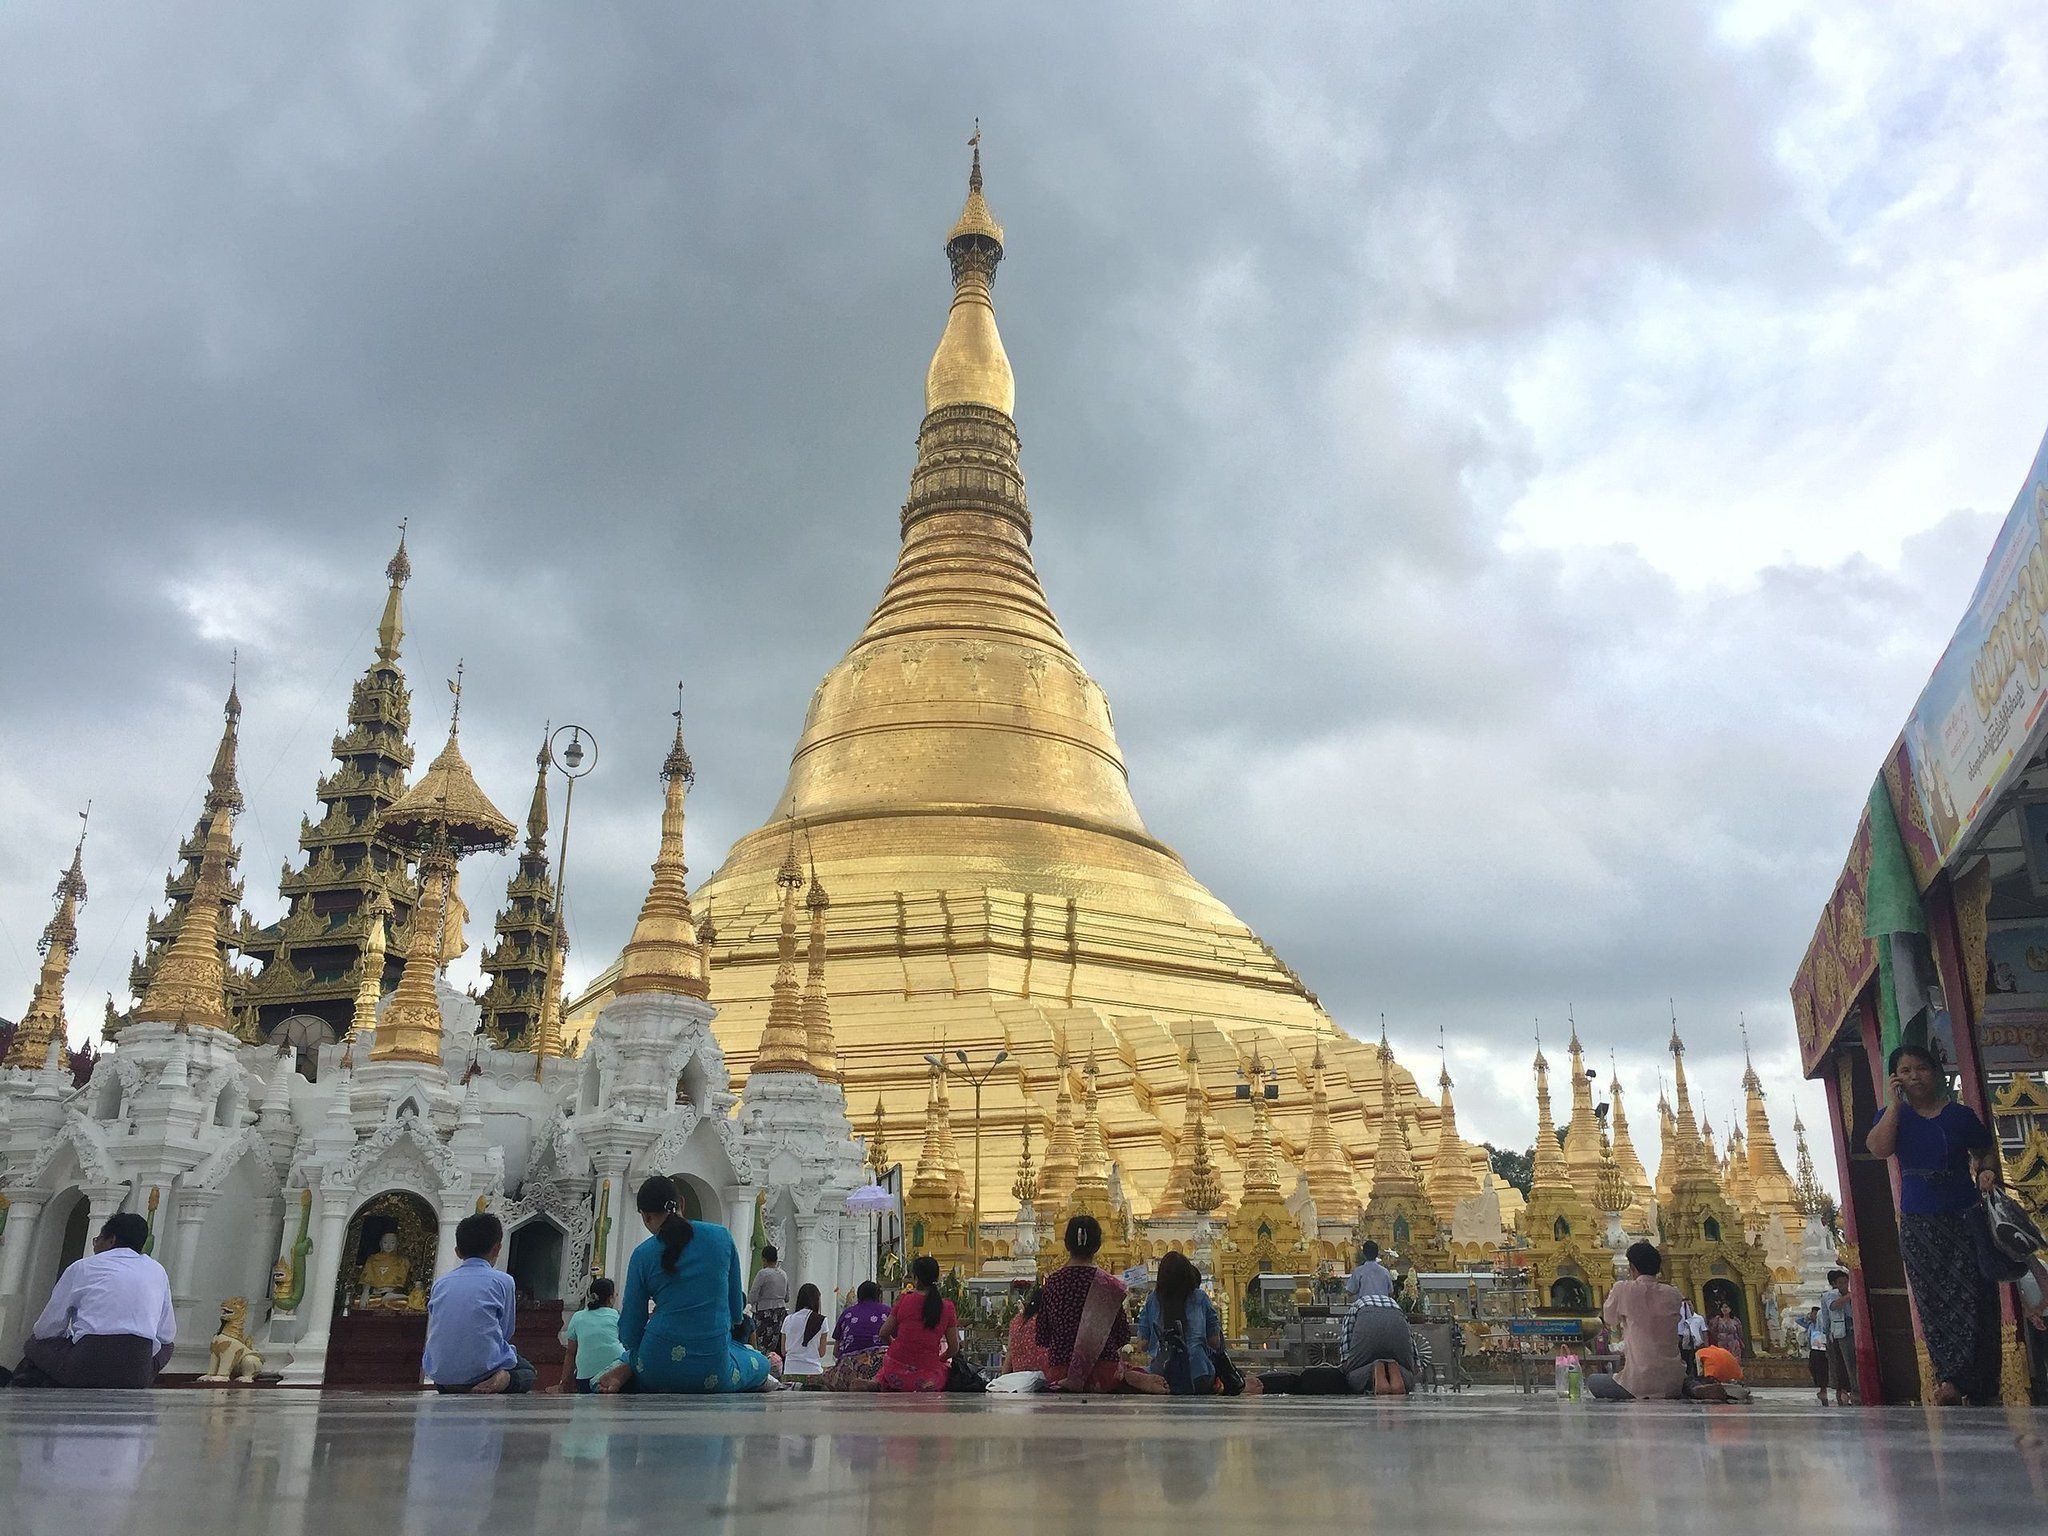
(418, 1230)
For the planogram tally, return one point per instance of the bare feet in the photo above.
(1947, 1394)
(614, 1380)
(496, 1382)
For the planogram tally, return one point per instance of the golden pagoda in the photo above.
(1191, 1149)
(43, 1024)
(1570, 1265)
(1262, 1237)
(1667, 1148)
(1699, 1231)
(1091, 1194)
(188, 988)
(993, 884)
(1453, 1176)
(936, 1220)
(1398, 1214)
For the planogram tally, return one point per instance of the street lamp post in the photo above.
(574, 760)
(965, 1070)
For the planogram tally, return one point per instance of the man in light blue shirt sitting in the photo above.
(1371, 1278)
(470, 1316)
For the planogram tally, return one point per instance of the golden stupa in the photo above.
(959, 785)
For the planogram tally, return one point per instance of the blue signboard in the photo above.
(1545, 1327)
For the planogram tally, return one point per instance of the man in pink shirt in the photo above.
(1644, 1311)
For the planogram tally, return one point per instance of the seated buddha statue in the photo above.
(382, 1282)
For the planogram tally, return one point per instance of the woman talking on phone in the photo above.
(1938, 1144)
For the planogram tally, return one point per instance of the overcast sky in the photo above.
(1512, 467)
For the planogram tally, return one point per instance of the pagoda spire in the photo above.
(1062, 1152)
(1330, 1180)
(370, 966)
(1641, 1195)
(1024, 1188)
(1451, 1179)
(1260, 1163)
(391, 627)
(411, 1026)
(547, 1030)
(950, 1152)
(817, 1003)
(311, 960)
(222, 790)
(1546, 1161)
(664, 954)
(518, 964)
(784, 1047)
(969, 366)
(43, 1026)
(1391, 1160)
(932, 1184)
(190, 983)
(1812, 1199)
(1773, 1189)
(1582, 1154)
(1193, 1133)
(1092, 1177)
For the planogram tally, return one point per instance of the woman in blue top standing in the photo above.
(1179, 1325)
(683, 1296)
(1938, 1144)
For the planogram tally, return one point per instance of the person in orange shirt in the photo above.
(1720, 1379)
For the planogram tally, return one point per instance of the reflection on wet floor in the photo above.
(284, 1463)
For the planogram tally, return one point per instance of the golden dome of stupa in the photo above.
(959, 784)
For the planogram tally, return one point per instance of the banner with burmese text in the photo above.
(1977, 718)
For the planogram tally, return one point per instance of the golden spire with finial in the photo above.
(189, 985)
(1812, 1199)
(1062, 1152)
(43, 1023)
(1546, 1160)
(537, 807)
(1261, 1163)
(1194, 1102)
(665, 953)
(1092, 1177)
(1390, 1159)
(817, 1004)
(547, 1032)
(970, 366)
(1641, 1195)
(1451, 1179)
(411, 1027)
(1330, 1181)
(1695, 1153)
(391, 627)
(1772, 1190)
(370, 965)
(932, 1184)
(783, 1045)
(1610, 1186)
(221, 786)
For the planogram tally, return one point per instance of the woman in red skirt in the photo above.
(921, 1337)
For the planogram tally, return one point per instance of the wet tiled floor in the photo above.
(284, 1463)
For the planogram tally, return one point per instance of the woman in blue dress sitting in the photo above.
(684, 1293)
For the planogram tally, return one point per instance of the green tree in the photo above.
(1509, 1166)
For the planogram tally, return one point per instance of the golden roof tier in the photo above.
(959, 787)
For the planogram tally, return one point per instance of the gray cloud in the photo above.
(627, 308)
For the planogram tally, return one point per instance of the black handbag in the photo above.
(1228, 1375)
(1993, 1262)
(1179, 1376)
(2012, 1230)
(961, 1376)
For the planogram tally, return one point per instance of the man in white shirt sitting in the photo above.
(109, 1322)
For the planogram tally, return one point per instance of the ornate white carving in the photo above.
(401, 1150)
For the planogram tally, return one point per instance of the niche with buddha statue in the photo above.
(388, 1255)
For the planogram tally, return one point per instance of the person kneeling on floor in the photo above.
(1720, 1377)
(470, 1314)
(109, 1322)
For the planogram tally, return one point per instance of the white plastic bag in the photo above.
(1019, 1381)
